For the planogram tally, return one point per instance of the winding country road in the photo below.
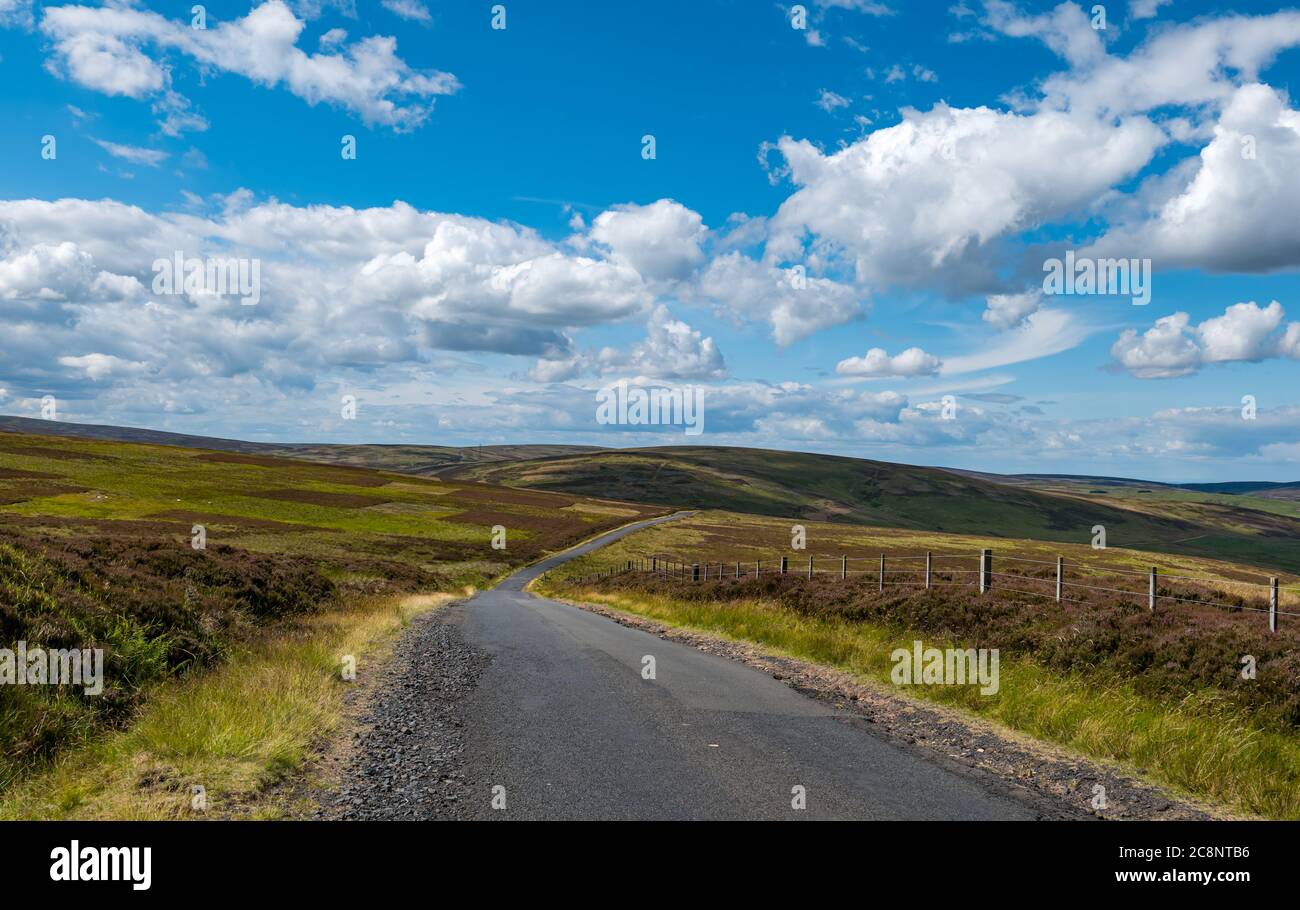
(559, 715)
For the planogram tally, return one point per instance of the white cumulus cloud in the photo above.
(1174, 347)
(877, 364)
(109, 49)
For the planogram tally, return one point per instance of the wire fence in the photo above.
(1056, 580)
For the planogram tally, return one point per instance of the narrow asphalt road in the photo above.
(562, 719)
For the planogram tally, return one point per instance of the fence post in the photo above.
(986, 570)
(758, 567)
(810, 559)
(1060, 577)
(783, 564)
(882, 572)
(927, 570)
(695, 572)
(1151, 591)
(737, 570)
(1272, 604)
(844, 567)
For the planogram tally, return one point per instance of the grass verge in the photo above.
(235, 731)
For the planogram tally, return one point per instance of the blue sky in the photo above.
(500, 248)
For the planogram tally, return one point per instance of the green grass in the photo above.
(114, 481)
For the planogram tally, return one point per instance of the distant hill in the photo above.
(409, 459)
(1261, 489)
(860, 491)
(1063, 481)
(1268, 489)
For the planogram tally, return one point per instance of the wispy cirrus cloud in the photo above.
(412, 10)
(1044, 333)
(132, 153)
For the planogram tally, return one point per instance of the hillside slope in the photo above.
(859, 491)
(425, 460)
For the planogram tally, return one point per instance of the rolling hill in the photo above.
(1252, 522)
(859, 491)
(425, 460)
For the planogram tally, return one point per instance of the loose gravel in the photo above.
(405, 759)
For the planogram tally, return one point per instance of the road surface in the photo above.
(562, 719)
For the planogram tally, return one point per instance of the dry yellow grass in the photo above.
(235, 731)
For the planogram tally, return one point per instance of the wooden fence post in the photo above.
(1272, 604)
(844, 567)
(737, 570)
(1060, 578)
(1151, 591)
(758, 567)
(783, 564)
(927, 570)
(986, 570)
(882, 572)
(695, 572)
(810, 559)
